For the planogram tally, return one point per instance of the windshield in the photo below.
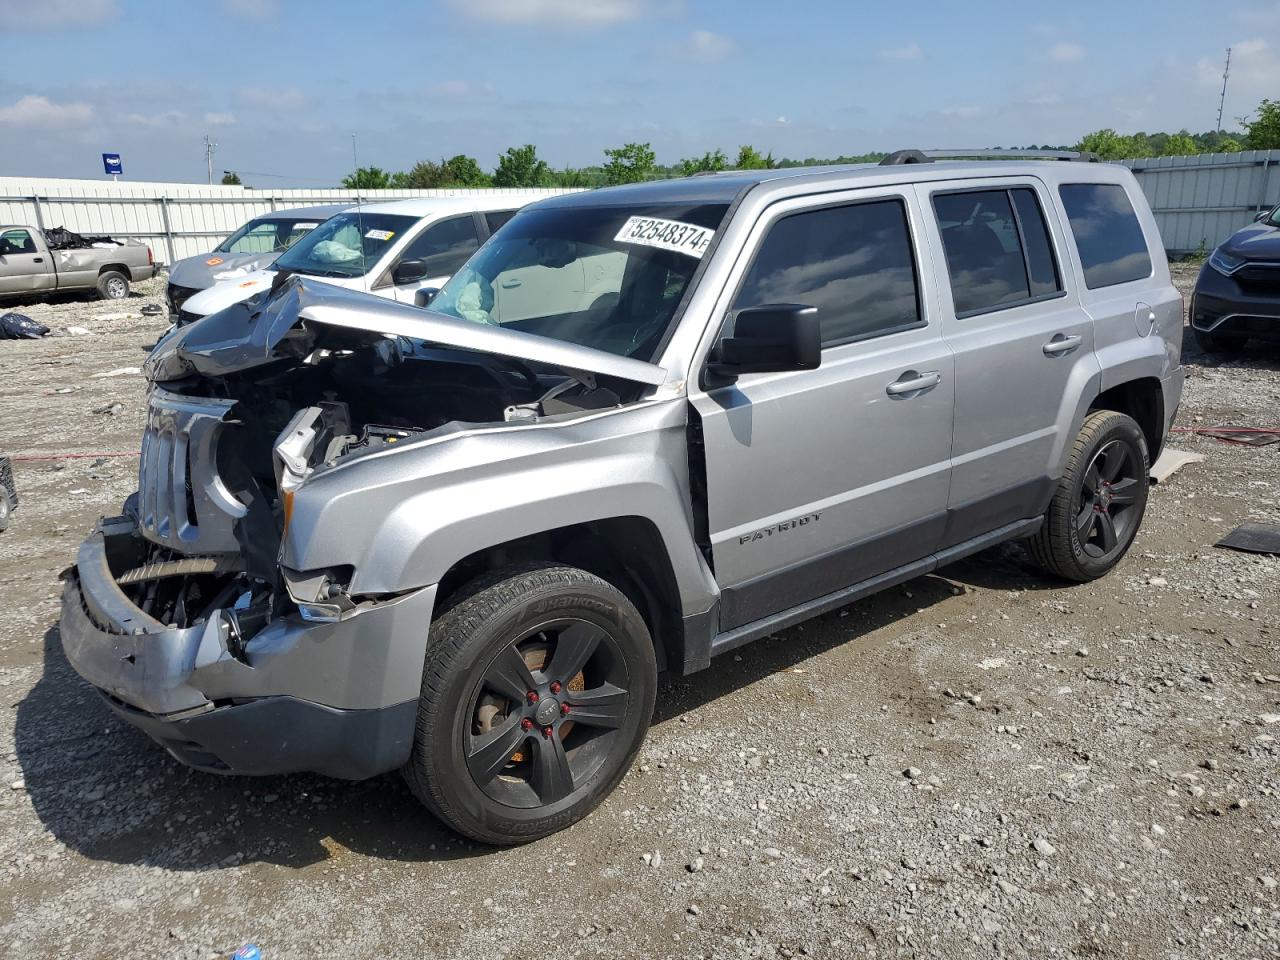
(1273, 218)
(268, 235)
(603, 277)
(347, 245)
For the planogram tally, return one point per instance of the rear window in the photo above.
(1107, 233)
(998, 250)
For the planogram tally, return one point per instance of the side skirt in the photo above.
(739, 636)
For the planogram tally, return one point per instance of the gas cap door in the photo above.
(1144, 319)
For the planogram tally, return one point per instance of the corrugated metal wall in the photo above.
(176, 219)
(1206, 198)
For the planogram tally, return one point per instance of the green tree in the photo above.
(710, 162)
(367, 178)
(1179, 144)
(630, 163)
(1262, 127)
(749, 158)
(459, 171)
(1109, 145)
(464, 171)
(1228, 145)
(230, 178)
(521, 167)
(576, 177)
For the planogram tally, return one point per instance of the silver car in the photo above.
(640, 428)
(254, 246)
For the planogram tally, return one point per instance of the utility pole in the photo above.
(209, 148)
(1226, 72)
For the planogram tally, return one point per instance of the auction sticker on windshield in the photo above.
(687, 238)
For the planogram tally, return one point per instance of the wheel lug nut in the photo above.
(555, 686)
(547, 731)
(564, 709)
(532, 696)
(526, 724)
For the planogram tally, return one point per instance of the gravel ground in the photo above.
(980, 763)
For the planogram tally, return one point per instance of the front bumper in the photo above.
(333, 698)
(1246, 304)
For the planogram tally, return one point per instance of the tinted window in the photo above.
(1108, 235)
(444, 246)
(853, 263)
(496, 218)
(984, 256)
(1042, 268)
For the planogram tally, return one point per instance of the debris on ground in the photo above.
(1170, 462)
(1253, 538)
(18, 326)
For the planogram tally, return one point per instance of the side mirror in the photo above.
(1259, 217)
(770, 339)
(424, 295)
(408, 271)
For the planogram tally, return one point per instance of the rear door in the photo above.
(1023, 346)
(25, 265)
(820, 479)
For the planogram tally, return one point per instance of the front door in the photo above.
(442, 248)
(1023, 346)
(24, 266)
(820, 479)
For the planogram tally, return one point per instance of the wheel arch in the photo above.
(1142, 399)
(626, 551)
(122, 268)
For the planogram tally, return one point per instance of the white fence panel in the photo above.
(175, 219)
(1201, 200)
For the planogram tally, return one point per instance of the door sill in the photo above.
(740, 636)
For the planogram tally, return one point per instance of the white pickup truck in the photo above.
(30, 265)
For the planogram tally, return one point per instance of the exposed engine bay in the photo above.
(247, 404)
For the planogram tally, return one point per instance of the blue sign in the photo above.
(111, 163)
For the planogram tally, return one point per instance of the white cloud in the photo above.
(288, 98)
(1066, 52)
(577, 13)
(908, 51)
(219, 119)
(55, 14)
(702, 46)
(252, 9)
(166, 118)
(41, 113)
(1255, 73)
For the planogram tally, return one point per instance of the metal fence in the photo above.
(176, 219)
(1198, 202)
(1201, 200)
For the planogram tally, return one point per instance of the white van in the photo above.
(388, 249)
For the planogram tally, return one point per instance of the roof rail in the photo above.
(928, 156)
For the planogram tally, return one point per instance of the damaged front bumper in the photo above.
(334, 698)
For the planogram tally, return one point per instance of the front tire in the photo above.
(6, 509)
(536, 695)
(113, 285)
(1099, 503)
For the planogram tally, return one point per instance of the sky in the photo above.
(281, 86)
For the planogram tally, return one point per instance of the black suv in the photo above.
(1237, 294)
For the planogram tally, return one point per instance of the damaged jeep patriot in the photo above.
(641, 427)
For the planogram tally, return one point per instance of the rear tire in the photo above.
(1218, 342)
(6, 509)
(537, 692)
(1099, 503)
(113, 285)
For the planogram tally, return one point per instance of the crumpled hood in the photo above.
(197, 273)
(260, 331)
(1258, 241)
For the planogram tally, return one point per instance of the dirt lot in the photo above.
(981, 763)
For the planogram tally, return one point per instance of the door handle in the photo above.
(1061, 343)
(510, 284)
(37, 259)
(912, 382)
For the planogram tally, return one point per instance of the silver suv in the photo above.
(642, 427)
